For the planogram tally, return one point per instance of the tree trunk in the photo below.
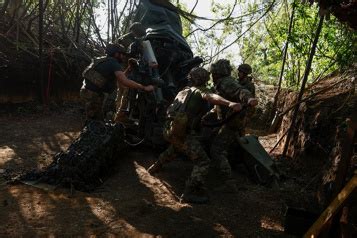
(284, 58)
(306, 75)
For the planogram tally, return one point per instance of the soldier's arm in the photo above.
(123, 80)
(218, 100)
(246, 97)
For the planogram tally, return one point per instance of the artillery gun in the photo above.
(163, 58)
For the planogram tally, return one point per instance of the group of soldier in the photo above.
(232, 99)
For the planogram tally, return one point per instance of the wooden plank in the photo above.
(332, 209)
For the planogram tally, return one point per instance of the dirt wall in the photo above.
(321, 130)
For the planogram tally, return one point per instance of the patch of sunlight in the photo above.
(222, 230)
(106, 213)
(6, 154)
(269, 224)
(67, 136)
(103, 210)
(33, 206)
(163, 194)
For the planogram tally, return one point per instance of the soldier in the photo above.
(182, 127)
(101, 77)
(137, 31)
(244, 70)
(229, 88)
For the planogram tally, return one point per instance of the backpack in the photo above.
(177, 119)
(92, 75)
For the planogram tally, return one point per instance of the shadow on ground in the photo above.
(131, 203)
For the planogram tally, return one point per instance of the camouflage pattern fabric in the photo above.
(219, 150)
(93, 103)
(248, 84)
(191, 147)
(230, 89)
(188, 144)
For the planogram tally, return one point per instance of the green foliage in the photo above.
(263, 47)
(186, 23)
(263, 44)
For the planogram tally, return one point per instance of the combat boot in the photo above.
(194, 195)
(229, 186)
(154, 168)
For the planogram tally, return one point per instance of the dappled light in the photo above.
(270, 224)
(164, 196)
(163, 118)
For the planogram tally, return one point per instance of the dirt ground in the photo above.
(132, 203)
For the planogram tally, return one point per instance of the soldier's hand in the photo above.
(132, 64)
(235, 106)
(252, 102)
(149, 88)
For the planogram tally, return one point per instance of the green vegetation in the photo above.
(250, 31)
(260, 31)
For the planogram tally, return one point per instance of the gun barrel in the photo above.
(191, 62)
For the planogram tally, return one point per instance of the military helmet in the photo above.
(111, 49)
(198, 76)
(245, 68)
(221, 67)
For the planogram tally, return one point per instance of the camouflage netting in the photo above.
(87, 161)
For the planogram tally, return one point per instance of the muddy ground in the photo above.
(131, 203)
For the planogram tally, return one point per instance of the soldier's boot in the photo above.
(194, 195)
(154, 168)
(229, 186)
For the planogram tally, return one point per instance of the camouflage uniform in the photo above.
(190, 145)
(230, 89)
(93, 104)
(246, 82)
(227, 134)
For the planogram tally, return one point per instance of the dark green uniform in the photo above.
(189, 144)
(99, 78)
(230, 89)
(247, 83)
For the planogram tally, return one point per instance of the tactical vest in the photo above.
(93, 76)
